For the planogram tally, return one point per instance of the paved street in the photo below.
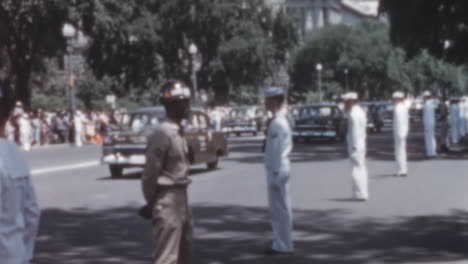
(88, 217)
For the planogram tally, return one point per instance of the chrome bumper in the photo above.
(115, 159)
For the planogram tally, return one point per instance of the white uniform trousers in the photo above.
(400, 155)
(359, 176)
(430, 141)
(281, 214)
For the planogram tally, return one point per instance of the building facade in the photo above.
(309, 15)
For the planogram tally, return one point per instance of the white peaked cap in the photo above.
(350, 96)
(398, 95)
(273, 91)
(426, 93)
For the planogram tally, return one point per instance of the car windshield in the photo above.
(141, 120)
(316, 112)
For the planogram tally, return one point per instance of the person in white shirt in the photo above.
(429, 125)
(400, 132)
(19, 210)
(78, 120)
(356, 139)
(278, 146)
(25, 131)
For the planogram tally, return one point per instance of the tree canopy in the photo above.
(439, 26)
(29, 32)
(375, 68)
(239, 42)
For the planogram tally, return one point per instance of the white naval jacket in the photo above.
(357, 131)
(429, 114)
(278, 146)
(19, 211)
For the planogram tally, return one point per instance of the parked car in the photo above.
(375, 115)
(126, 148)
(319, 121)
(243, 119)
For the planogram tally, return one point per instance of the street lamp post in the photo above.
(193, 50)
(319, 69)
(69, 32)
(346, 78)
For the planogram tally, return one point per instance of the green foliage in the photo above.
(239, 42)
(52, 102)
(425, 25)
(29, 31)
(375, 67)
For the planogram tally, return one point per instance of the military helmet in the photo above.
(174, 90)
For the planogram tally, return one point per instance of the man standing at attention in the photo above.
(278, 146)
(165, 179)
(357, 136)
(400, 132)
(19, 211)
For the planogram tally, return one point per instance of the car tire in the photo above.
(116, 171)
(213, 165)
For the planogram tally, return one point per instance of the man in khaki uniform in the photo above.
(165, 181)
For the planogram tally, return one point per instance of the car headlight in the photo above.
(139, 140)
(107, 140)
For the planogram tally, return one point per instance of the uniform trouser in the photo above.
(455, 132)
(172, 227)
(279, 200)
(26, 140)
(400, 155)
(430, 141)
(443, 136)
(78, 137)
(359, 176)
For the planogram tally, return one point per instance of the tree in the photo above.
(125, 41)
(439, 26)
(238, 41)
(375, 68)
(29, 31)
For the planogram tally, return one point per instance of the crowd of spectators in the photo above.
(39, 128)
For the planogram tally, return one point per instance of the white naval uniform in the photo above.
(400, 133)
(19, 211)
(461, 116)
(356, 138)
(429, 128)
(454, 119)
(25, 133)
(278, 146)
(78, 125)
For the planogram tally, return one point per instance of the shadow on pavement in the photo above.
(233, 234)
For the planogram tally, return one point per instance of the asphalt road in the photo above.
(87, 217)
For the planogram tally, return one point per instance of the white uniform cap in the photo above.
(273, 91)
(398, 95)
(426, 93)
(350, 96)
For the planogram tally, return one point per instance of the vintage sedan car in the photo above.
(243, 119)
(319, 121)
(375, 115)
(126, 148)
